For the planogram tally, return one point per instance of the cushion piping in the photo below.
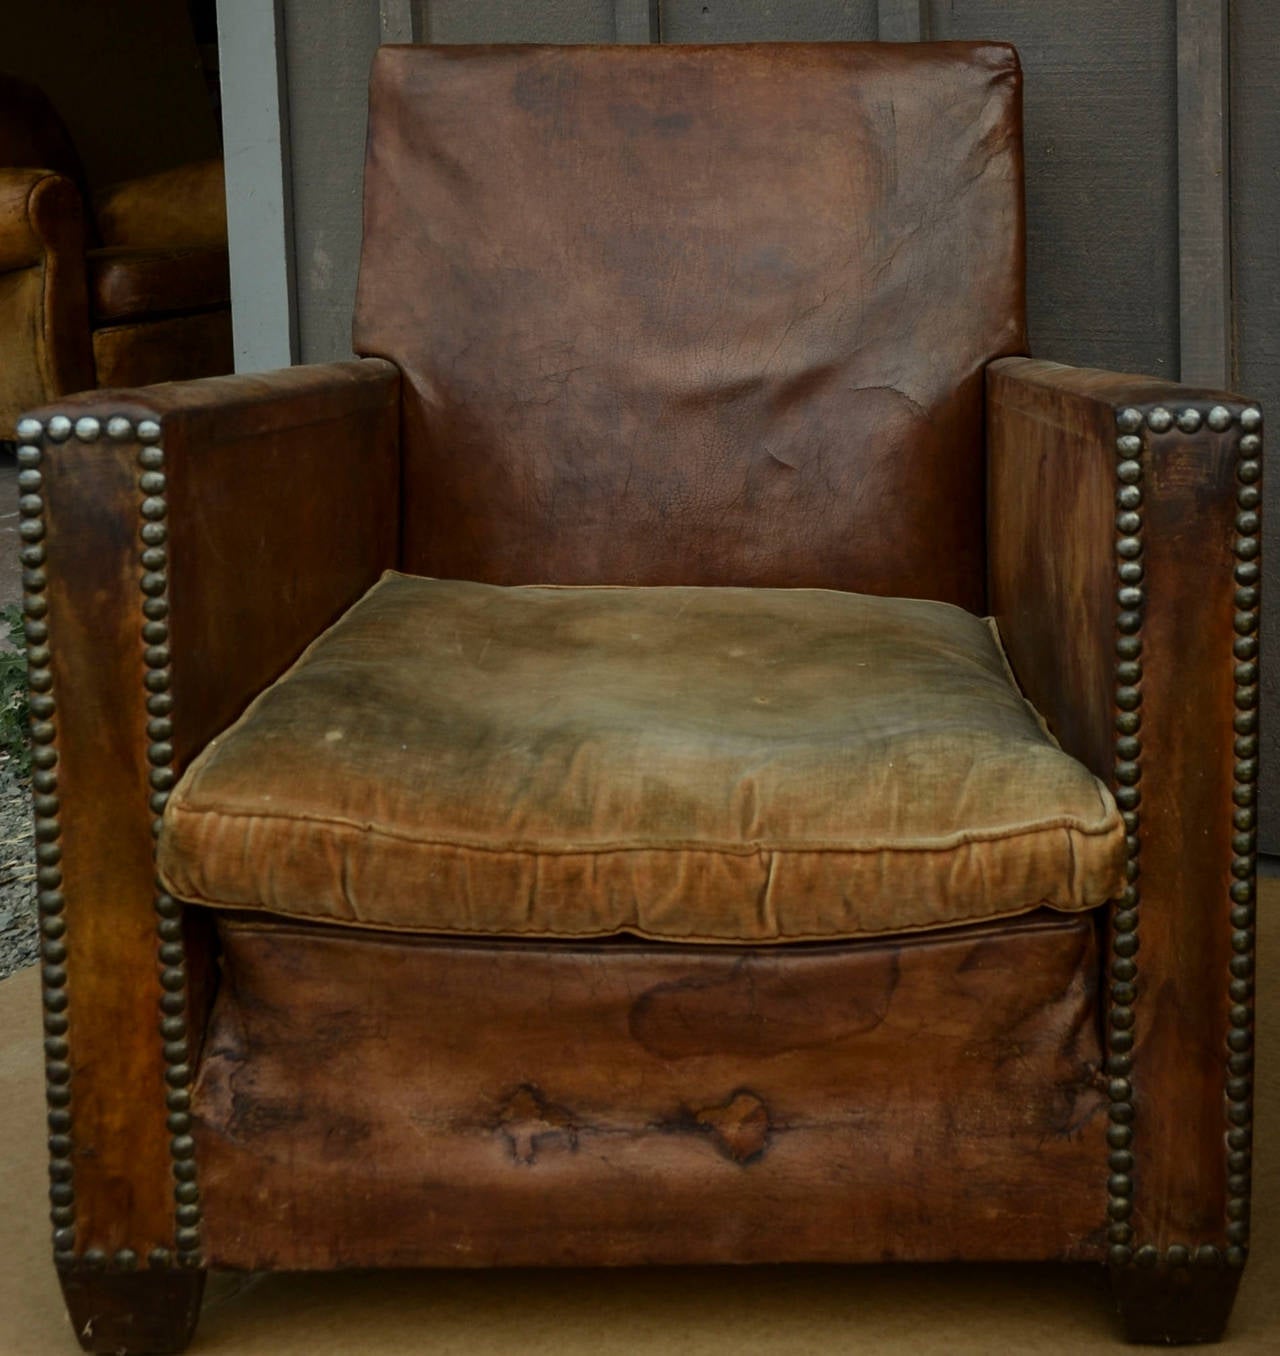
(567, 934)
(959, 839)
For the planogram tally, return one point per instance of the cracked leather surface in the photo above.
(695, 315)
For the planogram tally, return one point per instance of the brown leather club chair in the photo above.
(649, 854)
(130, 288)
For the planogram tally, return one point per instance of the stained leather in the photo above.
(366, 1099)
(180, 207)
(724, 765)
(38, 209)
(166, 348)
(695, 315)
(1194, 741)
(281, 487)
(125, 284)
(44, 320)
(165, 255)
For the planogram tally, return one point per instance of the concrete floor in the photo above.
(787, 1311)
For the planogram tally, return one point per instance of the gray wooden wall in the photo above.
(1129, 178)
(1255, 254)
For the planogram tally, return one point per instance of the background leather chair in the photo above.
(132, 287)
(650, 317)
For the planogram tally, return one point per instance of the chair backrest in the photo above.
(32, 135)
(695, 315)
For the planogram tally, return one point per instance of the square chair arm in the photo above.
(182, 543)
(1123, 541)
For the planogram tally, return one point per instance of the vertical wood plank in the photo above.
(255, 133)
(769, 21)
(903, 20)
(1255, 263)
(1100, 118)
(1204, 206)
(551, 21)
(637, 21)
(397, 21)
(330, 44)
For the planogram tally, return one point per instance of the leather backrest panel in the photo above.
(32, 135)
(695, 315)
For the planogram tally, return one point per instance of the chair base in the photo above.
(133, 1313)
(1174, 1306)
(373, 1100)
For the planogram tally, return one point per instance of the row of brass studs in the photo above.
(1124, 943)
(154, 559)
(171, 953)
(1179, 1255)
(1244, 834)
(49, 897)
(1130, 598)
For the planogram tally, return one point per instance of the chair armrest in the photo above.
(182, 543)
(186, 205)
(39, 211)
(1123, 542)
(45, 347)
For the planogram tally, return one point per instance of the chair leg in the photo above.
(1174, 1305)
(133, 1313)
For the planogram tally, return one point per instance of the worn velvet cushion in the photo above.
(694, 764)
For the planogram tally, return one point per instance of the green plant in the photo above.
(13, 693)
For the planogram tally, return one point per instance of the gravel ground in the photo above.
(18, 939)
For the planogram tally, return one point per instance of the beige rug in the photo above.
(958, 1310)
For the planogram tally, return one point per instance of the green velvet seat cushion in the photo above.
(692, 764)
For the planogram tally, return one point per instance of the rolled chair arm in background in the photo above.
(45, 349)
(39, 211)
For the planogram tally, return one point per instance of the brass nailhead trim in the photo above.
(1126, 910)
(153, 510)
(1130, 600)
(1241, 892)
(153, 634)
(49, 897)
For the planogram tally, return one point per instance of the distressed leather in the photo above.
(167, 348)
(180, 207)
(720, 765)
(359, 1098)
(447, 1102)
(44, 327)
(127, 283)
(260, 482)
(1052, 532)
(44, 319)
(39, 210)
(163, 251)
(695, 315)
